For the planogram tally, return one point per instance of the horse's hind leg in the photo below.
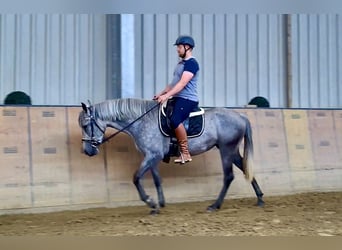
(238, 162)
(227, 180)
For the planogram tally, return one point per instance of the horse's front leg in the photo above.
(145, 166)
(158, 185)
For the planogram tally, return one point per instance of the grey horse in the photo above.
(224, 128)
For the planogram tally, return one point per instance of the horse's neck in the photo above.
(117, 121)
(117, 124)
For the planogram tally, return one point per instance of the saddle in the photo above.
(194, 126)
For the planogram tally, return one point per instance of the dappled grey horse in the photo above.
(224, 129)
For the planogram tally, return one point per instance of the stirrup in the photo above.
(181, 159)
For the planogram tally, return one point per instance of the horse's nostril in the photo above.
(90, 150)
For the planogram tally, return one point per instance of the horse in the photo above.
(224, 128)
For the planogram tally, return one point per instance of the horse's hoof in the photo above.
(150, 202)
(211, 209)
(154, 212)
(260, 203)
(162, 204)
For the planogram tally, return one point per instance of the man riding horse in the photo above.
(183, 89)
(224, 129)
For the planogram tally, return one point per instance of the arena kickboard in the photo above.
(299, 148)
(15, 171)
(50, 178)
(87, 174)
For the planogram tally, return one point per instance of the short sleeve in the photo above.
(191, 65)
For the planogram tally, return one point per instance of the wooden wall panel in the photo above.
(87, 174)
(272, 148)
(15, 171)
(50, 161)
(325, 137)
(322, 133)
(337, 116)
(299, 148)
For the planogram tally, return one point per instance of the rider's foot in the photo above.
(183, 158)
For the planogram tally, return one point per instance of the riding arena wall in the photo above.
(43, 169)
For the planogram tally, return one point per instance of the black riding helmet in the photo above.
(185, 40)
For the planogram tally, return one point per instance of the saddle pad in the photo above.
(194, 125)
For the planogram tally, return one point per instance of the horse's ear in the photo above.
(84, 107)
(90, 107)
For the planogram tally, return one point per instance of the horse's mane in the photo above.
(123, 109)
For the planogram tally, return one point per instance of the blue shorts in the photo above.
(181, 110)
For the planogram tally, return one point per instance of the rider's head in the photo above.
(187, 42)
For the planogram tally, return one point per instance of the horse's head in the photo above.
(93, 130)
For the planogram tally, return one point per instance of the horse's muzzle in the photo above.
(90, 149)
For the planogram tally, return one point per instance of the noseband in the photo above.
(92, 140)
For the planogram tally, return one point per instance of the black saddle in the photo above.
(194, 125)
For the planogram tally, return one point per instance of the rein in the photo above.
(130, 124)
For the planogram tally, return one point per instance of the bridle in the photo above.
(92, 139)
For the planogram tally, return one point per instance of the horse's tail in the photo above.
(247, 161)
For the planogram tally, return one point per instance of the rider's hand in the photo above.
(162, 98)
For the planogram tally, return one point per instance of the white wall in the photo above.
(240, 56)
(55, 58)
(316, 60)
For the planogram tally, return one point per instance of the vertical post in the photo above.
(288, 64)
(113, 81)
